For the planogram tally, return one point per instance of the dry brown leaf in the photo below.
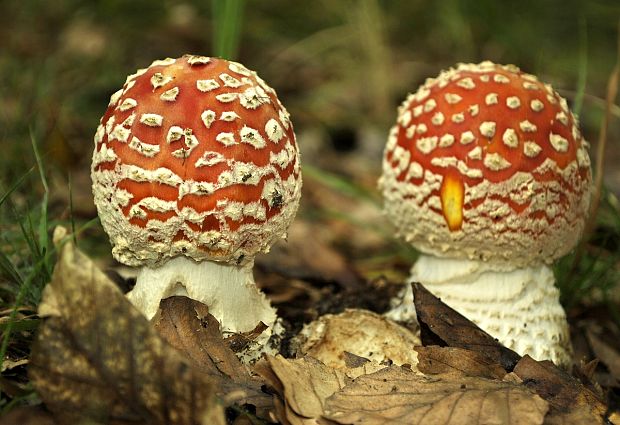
(585, 371)
(568, 399)
(604, 352)
(441, 325)
(273, 385)
(313, 393)
(303, 384)
(397, 396)
(238, 342)
(456, 361)
(576, 416)
(353, 360)
(97, 359)
(187, 326)
(263, 369)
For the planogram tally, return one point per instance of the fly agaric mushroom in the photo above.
(487, 174)
(195, 171)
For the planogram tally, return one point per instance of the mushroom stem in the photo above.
(518, 306)
(228, 290)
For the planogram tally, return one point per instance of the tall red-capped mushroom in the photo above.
(487, 174)
(196, 170)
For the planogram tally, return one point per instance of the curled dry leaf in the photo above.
(570, 401)
(187, 325)
(238, 342)
(585, 370)
(605, 352)
(309, 392)
(353, 360)
(303, 385)
(397, 396)
(96, 359)
(441, 325)
(434, 360)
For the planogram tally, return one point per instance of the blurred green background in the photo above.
(341, 67)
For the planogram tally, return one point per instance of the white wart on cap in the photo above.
(195, 157)
(486, 162)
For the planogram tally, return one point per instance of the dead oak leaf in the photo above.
(187, 325)
(302, 385)
(569, 400)
(442, 325)
(98, 360)
(397, 396)
(455, 361)
(309, 392)
(605, 352)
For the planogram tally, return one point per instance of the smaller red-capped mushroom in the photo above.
(195, 171)
(487, 174)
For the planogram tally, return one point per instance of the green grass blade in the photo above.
(29, 235)
(36, 273)
(8, 330)
(9, 271)
(43, 225)
(71, 217)
(227, 24)
(21, 325)
(17, 184)
(39, 245)
(583, 65)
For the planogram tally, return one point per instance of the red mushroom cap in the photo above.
(195, 156)
(487, 162)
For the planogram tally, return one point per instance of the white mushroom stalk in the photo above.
(229, 291)
(519, 307)
(195, 171)
(487, 174)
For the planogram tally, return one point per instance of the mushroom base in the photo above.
(520, 307)
(229, 291)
